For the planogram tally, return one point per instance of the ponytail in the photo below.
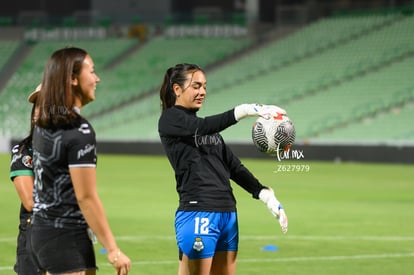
(174, 75)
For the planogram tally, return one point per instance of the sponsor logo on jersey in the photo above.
(15, 157)
(88, 148)
(15, 149)
(84, 129)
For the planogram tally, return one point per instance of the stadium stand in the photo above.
(223, 94)
(354, 74)
(13, 111)
(302, 44)
(138, 74)
(394, 128)
(336, 77)
(136, 121)
(141, 73)
(7, 48)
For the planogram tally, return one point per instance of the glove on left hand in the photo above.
(267, 196)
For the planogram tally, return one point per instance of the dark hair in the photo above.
(175, 75)
(27, 141)
(56, 100)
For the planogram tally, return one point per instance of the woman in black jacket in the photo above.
(206, 219)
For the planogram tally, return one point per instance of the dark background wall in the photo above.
(269, 11)
(13, 8)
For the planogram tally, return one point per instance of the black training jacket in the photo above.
(202, 162)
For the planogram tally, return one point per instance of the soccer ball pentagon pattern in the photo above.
(274, 135)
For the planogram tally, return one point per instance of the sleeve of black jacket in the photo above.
(178, 121)
(242, 176)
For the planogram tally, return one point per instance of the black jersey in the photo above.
(21, 165)
(202, 162)
(54, 152)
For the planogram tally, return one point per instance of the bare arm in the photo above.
(24, 188)
(84, 183)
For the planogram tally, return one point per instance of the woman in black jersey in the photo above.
(66, 202)
(206, 219)
(21, 173)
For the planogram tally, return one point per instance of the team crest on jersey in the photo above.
(27, 161)
(198, 244)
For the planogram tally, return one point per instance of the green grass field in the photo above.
(344, 218)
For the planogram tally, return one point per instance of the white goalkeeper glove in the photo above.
(268, 197)
(265, 111)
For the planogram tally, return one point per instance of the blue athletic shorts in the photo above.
(200, 234)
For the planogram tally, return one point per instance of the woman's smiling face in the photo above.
(192, 95)
(86, 82)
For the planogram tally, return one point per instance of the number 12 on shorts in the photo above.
(201, 225)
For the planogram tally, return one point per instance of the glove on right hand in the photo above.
(265, 111)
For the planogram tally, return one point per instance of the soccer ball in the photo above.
(274, 135)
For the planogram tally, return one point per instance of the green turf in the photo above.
(344, 218)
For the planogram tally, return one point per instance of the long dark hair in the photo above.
(175, 75)
(27, 141)
(56, 100)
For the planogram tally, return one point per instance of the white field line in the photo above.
(286, 237)
(264, 238)
(287, 259)
(298, 259)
